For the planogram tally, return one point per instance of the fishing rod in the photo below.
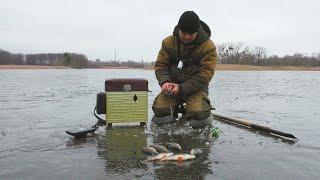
(253, 126)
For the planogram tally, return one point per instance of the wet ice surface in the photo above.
(37, 106)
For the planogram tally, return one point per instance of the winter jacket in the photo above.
(199, 61)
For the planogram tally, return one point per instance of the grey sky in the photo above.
(136, 28)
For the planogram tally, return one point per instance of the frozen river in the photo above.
(37, 106)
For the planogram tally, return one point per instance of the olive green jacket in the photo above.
(198, 63)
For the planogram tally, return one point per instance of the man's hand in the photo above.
(166, 87)
(175, 89)
(170, 88)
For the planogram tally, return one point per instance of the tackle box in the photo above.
(126, 100)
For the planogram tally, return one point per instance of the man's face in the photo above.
(186, 37)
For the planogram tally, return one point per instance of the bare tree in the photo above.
(260, 53)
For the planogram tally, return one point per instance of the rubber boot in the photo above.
(201, 123)
(163, 120)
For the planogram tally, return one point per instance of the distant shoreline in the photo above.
(32, 67)
(220, 67)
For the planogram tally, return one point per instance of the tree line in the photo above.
(228, 53)
(52, 59)
(239, 53)
(73, 60)
(117, 63)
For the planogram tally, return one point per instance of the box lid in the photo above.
(126, 84)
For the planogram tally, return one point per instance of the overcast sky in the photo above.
(135, 29)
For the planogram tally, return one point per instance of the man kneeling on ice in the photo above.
(184, 67)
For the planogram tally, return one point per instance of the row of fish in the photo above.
(163, 154)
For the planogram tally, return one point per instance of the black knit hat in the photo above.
(189, 22)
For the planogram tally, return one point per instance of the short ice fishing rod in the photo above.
(253, 126)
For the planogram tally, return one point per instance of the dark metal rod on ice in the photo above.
(253, 126)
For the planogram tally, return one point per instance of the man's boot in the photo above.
(163, 120)
(201, 123)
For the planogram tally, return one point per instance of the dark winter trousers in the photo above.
(197, 105)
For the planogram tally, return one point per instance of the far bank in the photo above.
(220, 67)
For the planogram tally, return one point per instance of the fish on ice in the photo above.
(159, 157)
(179, 157)
(159, 148)
(149, 150)
(196, 151)
(173, 145)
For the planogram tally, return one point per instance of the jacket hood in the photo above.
(204, 33)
